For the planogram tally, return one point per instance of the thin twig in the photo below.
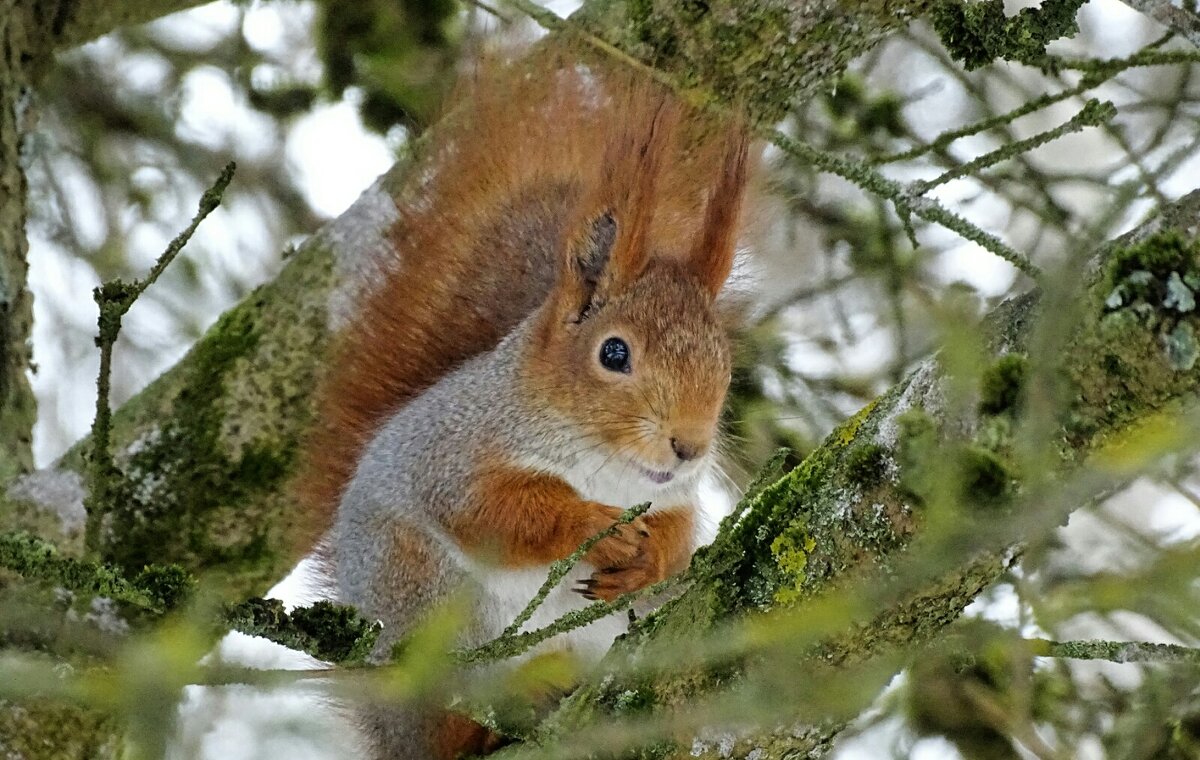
(560, 568)
(114, 298)
(1094, 113)
(503, 647)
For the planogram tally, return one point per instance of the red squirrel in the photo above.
(543, 350)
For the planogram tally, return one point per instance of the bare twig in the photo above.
(114, 299)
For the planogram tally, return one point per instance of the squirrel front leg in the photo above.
(666, 552)
(521, 518)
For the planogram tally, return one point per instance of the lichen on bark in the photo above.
(209, 446)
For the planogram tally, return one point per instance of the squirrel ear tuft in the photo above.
(711, 257)
(632, 164)
(611, 249)
(588, 257)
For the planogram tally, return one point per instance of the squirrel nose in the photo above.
(686, 450)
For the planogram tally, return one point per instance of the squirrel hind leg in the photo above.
(454, 735)
(396, 732)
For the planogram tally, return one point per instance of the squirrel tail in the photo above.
(487, 211)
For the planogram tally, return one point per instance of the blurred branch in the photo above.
(18, 410)
(66, 23)
(1114, 651)
(1184, 21)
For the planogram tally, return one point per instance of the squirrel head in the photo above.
(628, 345)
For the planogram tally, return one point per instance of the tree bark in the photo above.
(17, 406)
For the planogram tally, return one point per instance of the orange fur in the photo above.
(512, 174)
(455, 736)
(520, 518)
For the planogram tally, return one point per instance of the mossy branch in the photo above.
(1114, 651)
(156, 589)
(977, 32)
(327, 631)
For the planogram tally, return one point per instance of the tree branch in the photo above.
(66, 23)
(17, 407)
(1114, 651)
(1184, 22)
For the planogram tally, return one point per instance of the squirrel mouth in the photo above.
(658, 476)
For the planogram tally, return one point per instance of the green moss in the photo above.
(166, 504)
(43, 728)
(985, 478)
(791, 552)
(1159, 254)
(916, 447)
(982, 474)
(156, 588)
(978, 32)
(1002, 383)
(865, 464)
(1140, 349)
(750, 565)
(327, 631)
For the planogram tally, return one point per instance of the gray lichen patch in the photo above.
(52, 492)
(1140, 348)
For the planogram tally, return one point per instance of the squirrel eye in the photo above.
(614, 355)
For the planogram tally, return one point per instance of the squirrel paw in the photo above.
(611, 582)
(626, 545)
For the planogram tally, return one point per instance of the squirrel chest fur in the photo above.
(544, 351)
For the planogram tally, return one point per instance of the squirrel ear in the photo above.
(611, 249)
(591, 252)
(588, 257)
(711, 257)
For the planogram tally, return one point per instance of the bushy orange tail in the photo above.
(489, 208)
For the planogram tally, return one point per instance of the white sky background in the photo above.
(334, 158)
